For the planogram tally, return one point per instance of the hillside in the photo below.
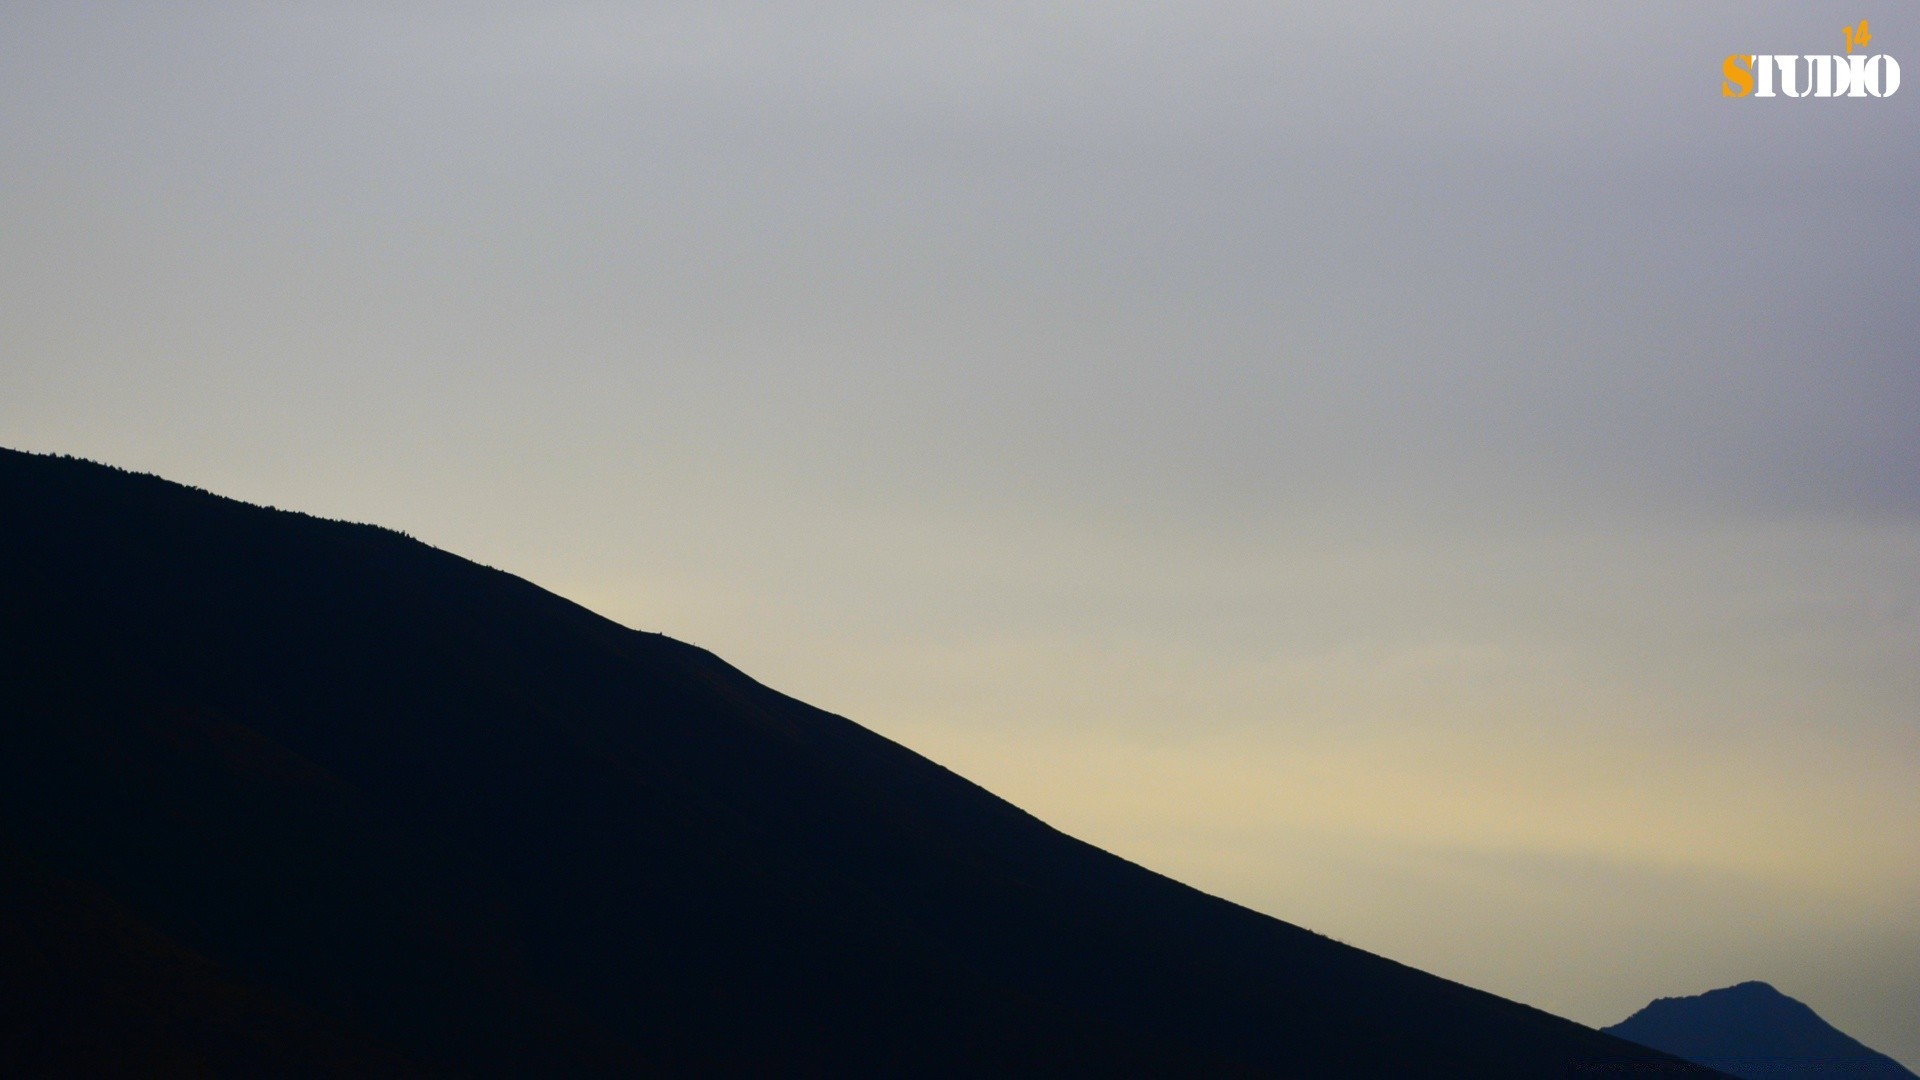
(282, 794)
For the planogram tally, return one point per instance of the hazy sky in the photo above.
(1440, 474)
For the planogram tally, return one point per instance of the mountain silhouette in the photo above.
(1755, 1032)
(288, 796)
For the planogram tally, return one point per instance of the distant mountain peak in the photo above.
(1753, 1031)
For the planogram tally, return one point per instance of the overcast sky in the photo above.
(1440, 474)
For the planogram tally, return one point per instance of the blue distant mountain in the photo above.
(1755, 1032)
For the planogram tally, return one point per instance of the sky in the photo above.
(1441, 474)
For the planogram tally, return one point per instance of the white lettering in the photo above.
(1825, 76)
(1790, 83)
(1889, 75)
(1824, 68)
(1857, 75)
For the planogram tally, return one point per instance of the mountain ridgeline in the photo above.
(288, 796)
(1755, 1032)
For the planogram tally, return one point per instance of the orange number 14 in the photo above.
(1857, 36)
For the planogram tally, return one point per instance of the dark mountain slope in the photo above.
(89, 990)
(414, 803)
(1755, 1032)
